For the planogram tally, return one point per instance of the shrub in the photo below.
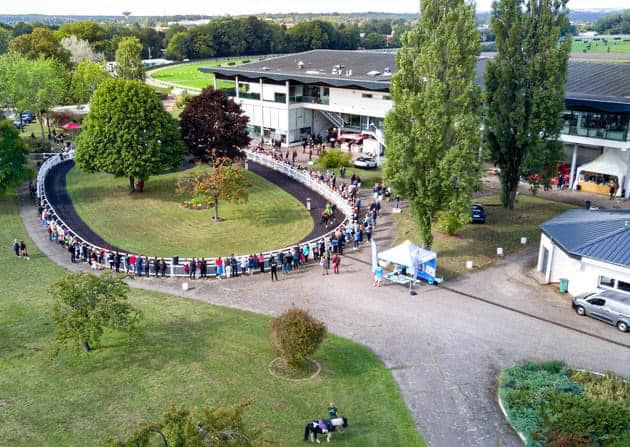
(334, 158)
(555, 406)
(181, 101)
(609, 387)
(232, 63)
(296, 335)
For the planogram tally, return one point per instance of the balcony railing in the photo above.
(245, 95)
(324, 100)
(606, 134)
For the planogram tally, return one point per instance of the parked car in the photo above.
(608, 306)
(27, 116)
(364, 162)
(477, 213)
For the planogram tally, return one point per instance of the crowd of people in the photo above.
(327, 252)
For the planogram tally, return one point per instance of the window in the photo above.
(605, 281)
(623, 286)
(596, 301)
(280, 97)
(366, 95)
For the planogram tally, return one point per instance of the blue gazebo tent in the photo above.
(419, 262)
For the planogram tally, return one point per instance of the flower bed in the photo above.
(553, 405)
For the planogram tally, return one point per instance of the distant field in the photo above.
(189, 76)
(603, 45)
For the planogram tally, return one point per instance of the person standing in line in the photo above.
(156, 267)
(243, 265)
(219, 265)
(234, 266)
(306, 250)
(204, 268)
(192, 268)
(274, 268)
(16, 248)
(261, 262)
(117, 262)
(147, 267)
(251, 264)
(163, 267)
(139, 268)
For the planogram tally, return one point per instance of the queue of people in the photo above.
(327, 252)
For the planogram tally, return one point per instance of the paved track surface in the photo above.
(60, 200)
(444, 348)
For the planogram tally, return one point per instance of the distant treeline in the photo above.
(226, 36)
(618, 23)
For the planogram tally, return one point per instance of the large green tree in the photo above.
(37, 84)
(129, 59)
(85, 305)
(86, 78)
(128, 133)
(40, 43)
(525, 85)
(13, 153)
(432, 131)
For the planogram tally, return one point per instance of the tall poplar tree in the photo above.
(129, 59)
(525, 85)
(432, 131)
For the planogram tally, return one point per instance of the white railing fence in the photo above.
(174, 269)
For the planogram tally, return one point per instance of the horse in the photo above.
(323, 426)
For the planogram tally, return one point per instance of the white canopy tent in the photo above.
(407, 254)
(612, 162)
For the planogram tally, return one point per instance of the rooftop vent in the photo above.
(266, 68)
(349, 72)
(373, 73)
(387, 71)
(301, 65)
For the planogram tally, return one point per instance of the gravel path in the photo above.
(443, 348)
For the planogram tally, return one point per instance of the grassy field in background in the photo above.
(188, 75)
(186, 352)
(598, 46)
(153, 222)
(479, 242)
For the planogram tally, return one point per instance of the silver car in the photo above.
(611, 307)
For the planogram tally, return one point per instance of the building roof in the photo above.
(598, 234)
(587, 83)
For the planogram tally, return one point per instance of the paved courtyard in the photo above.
(444, 348)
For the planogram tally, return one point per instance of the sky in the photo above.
(240, 7)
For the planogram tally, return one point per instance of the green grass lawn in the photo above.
(479, 242)
(154, 223)
(188, 75)
(598, 46)
(186, 352)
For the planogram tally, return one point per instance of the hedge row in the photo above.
(555, 406)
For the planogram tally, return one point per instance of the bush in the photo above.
(555, 406)
(334, 158)
(610, 386)
(296, 335)
(181, 101)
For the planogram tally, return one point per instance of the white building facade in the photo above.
(591, 249)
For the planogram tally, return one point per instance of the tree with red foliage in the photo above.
(213, 126)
